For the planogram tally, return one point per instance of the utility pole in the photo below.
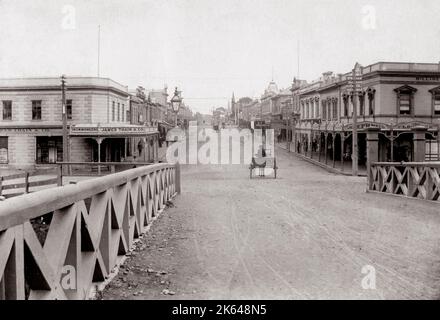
(355, 151)
(64, 115)
(99, 48)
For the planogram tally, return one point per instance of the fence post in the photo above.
(1, 186)
(60, 175)
(177, 177)
(26, 182)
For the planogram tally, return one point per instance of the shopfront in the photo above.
(49, 150)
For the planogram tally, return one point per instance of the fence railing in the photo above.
(97, 168)
(26, 182)
(59, 243)
(413, 179)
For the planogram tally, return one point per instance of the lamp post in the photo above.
(176, 102)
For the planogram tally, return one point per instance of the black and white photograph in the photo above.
(238, 151)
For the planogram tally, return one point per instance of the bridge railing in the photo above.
(60, 243)
(412, 179)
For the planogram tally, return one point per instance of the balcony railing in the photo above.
(60, 243)
(414, 179)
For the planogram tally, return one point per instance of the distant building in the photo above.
(203, 119)
(184, 115)
(158, 105)
(219, 118)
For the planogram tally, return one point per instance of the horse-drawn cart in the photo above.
(263, 166)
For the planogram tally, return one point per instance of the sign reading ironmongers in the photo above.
(98, 130)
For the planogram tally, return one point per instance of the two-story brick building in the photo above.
(98, 120)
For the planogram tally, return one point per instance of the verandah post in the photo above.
(372, 152)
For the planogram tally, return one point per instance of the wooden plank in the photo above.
(14, 272)
(38, 172)
(14, 176)
(6, 242)
(30, 184)
(43, 182)
(20, 185)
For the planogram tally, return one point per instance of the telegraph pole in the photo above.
(356, 73)
(64, 115)
(99, 47)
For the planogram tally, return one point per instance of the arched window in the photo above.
(345, 99)
(317, 108)
(324, 110)
(335, 108)
(362, 103)
(329, 108)
(371, 101)
(302, 110)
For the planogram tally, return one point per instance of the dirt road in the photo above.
(306, 235)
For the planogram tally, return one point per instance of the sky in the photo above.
(212, 48)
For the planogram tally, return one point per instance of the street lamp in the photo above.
(176, 102)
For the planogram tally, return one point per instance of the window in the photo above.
(7, 110)
(127, 117)
(324, 110)
(69, 109)
(362, 104)
(346, 105)
(119, 111)
(370, 94)
(36, 109)
(437, 104)
(123, 112)
(405, 103)
(435, 101)
(335, 108)
(405, 96)
(49, 149)
(432, 150)
(329, 109)
(113, 111)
